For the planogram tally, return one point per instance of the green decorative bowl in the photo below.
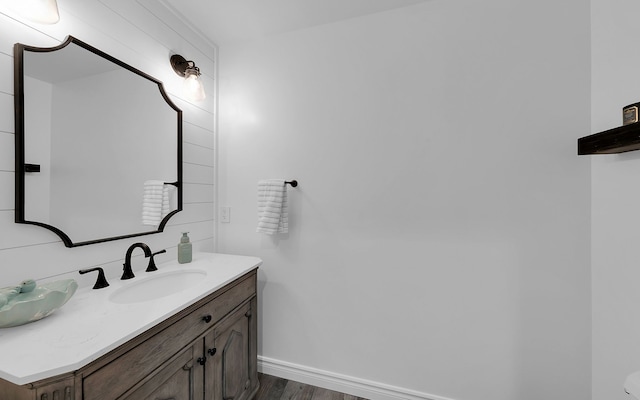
(28, 303)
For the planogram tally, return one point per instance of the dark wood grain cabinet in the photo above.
(206, 352)
(59, 390)
(177, 379)
(232, 375)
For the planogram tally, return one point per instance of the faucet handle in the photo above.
(152, 264)
(127, 273)
(101, 282)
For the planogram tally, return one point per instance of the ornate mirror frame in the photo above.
(21, 168)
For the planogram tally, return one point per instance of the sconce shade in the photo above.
(41, 11)
(192, 85)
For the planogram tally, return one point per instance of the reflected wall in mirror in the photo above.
(98, 145)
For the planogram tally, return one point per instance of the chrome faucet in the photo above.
(127, 271)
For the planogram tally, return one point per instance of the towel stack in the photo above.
(156, 203)
(272, 207)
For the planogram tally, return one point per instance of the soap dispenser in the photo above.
(184, 249)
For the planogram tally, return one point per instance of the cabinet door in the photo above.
(179, 379)
(229, 373)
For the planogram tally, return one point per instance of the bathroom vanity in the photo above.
(198, 343)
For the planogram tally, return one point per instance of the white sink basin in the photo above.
(632, 385)
(157, 286)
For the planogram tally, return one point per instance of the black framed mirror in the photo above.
(98, 145)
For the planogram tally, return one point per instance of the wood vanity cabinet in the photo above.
(206, 352)
(232, 375)
(177, 379)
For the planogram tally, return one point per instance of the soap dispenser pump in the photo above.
(184, 249)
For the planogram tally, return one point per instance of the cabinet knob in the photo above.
(212, 351)
(207, 318)
(202, 360)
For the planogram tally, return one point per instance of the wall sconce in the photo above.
(192, 86)
(41, 11)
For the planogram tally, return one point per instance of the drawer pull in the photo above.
(202, 360)
(212, 351)
(207, 318)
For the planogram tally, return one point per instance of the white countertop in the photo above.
(89, 325)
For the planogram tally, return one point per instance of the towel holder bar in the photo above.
(172, 183)
(293, 183)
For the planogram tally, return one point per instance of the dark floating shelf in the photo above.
(617, 140)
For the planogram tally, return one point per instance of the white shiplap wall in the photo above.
(144, 34)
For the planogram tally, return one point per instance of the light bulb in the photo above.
(192, 86)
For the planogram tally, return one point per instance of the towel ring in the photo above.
(293, 183)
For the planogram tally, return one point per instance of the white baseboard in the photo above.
(341, 383)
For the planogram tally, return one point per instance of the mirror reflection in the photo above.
(100, 145)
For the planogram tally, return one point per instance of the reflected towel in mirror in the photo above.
(156, 203)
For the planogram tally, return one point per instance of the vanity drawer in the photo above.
(115, 378)
(227, 301)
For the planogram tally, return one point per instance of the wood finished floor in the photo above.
(274, 388)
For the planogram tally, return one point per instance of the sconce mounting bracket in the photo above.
(179, 64)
